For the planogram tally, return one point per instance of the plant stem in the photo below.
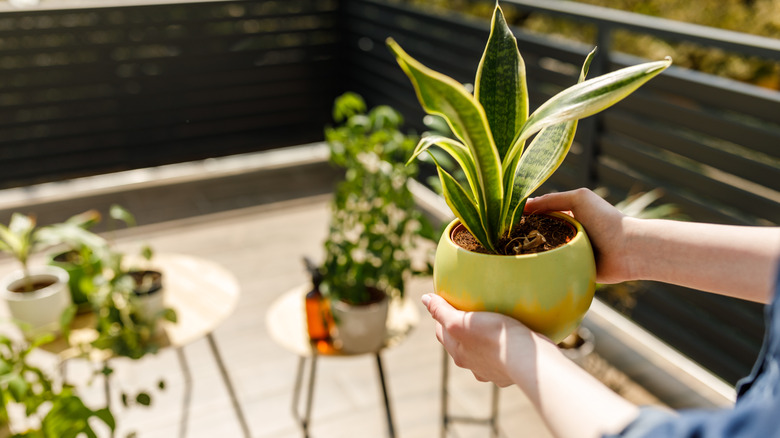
(28, 283)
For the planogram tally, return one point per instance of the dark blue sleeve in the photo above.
(756, 413)
(749, 420)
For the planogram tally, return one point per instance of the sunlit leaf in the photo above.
(442, 95)
(588, 98)
(500, 85)
(120, 213)
(542, 158)
(494, 127)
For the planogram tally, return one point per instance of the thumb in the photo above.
(562, 201)
(438, 307)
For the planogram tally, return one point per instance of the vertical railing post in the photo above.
(591, 127)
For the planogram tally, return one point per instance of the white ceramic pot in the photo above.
(39, 310)
(152, 302)
(360, 329)
(150, 305)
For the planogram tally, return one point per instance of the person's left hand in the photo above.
(479, 341)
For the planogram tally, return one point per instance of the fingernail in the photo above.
(426, 299)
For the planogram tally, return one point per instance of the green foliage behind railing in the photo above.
(757, 17)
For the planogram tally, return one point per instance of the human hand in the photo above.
(501, 350)
(605, 225)
(482, 342)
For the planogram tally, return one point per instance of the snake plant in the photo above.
(493, 125)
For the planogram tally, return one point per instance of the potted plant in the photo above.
(374, 222)
(50, 409)
(82, 256)
(127, 297)
(36, 297)
(516, 265)
(147, 290)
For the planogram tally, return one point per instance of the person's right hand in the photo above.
(605, 225)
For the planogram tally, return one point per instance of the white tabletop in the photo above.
(286, 322)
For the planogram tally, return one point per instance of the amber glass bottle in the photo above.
(317, 310)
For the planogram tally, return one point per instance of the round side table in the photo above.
(286, 322)
(203, 294)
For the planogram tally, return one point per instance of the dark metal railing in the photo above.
(91, 90)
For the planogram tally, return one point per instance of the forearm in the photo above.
(730, 260)
(571, 401)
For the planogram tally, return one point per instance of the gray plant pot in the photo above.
(360, 329)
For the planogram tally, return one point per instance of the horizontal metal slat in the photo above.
(225, 87)
(760, 138)
(680, 328)
(618, 177)
(712, 91)
(640, 159)
(452, 61)
(663, 137)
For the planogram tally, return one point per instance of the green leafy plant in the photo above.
(19, 239)
(121, 326)
(374, 220)
(22, 237)
(641, 205)
(123, 329)
(56, 409)
(493, 125)
(82, 256)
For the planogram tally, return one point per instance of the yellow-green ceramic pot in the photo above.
(549, 292)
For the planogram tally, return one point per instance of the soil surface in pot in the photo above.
(535, 233)
(68, 257)
(146, 282)
(372, 296)
(36, 285)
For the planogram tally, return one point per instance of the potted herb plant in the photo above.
(36, 297)
(373, 224)
(127, 297)
(146, 282)
(516, 265)
(124, 294)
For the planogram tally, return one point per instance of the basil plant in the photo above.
(493, 125)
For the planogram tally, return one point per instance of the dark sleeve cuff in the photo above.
(648, 419)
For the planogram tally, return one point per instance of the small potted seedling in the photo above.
(37, 296)
(148, 288)
(81, 256)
